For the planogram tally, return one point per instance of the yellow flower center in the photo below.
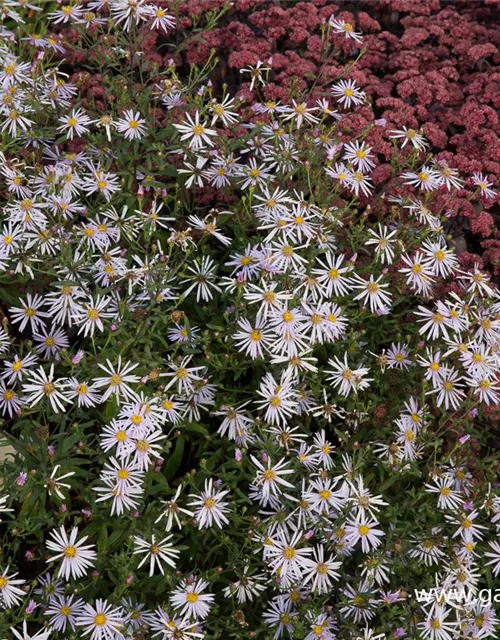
(269, 475)
(100, 620)
(142, 445)
(289, 553)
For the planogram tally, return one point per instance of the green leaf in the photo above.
(174, 462)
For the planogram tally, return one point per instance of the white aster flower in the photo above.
(102, 621)
(197, 134)
(210, 508)
(190, 600)
(131, 124)
(156, 552)
(77, 558)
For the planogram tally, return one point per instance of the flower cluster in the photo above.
(229, 383)
(426, 65)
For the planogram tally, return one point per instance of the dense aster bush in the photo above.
(249, 388)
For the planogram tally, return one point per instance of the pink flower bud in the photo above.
(76, 360)
(32, 605)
